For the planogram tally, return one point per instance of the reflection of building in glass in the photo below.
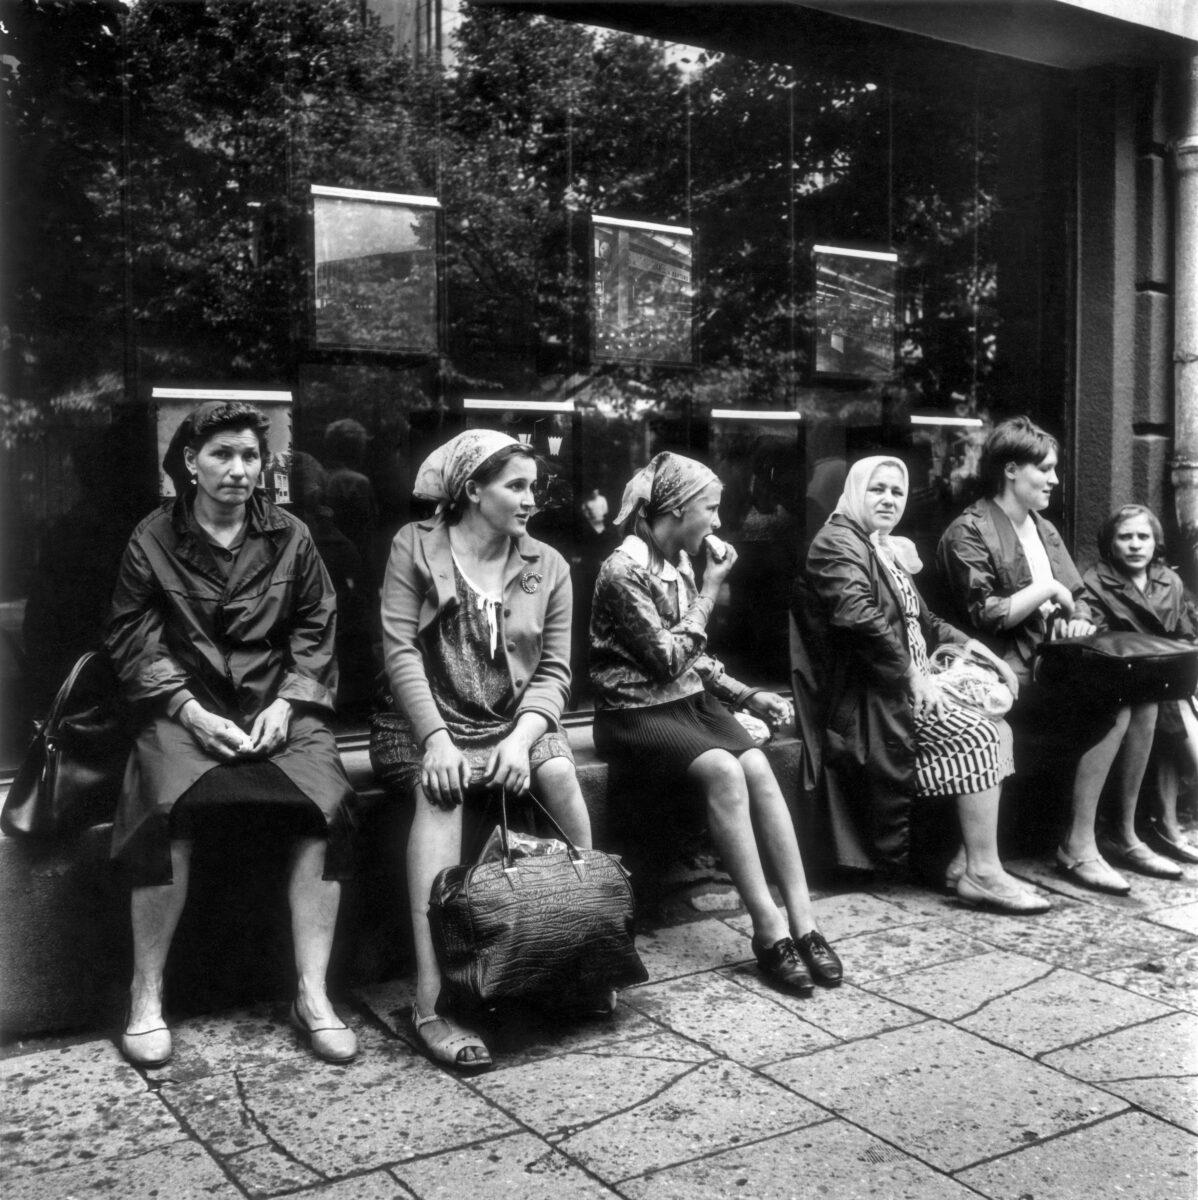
(375, 270)
(854, 312)
(642, 291)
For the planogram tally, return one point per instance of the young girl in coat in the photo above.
(1132, 588)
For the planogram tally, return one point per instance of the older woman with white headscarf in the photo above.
(658, 694)
(476, 633)
(892, 734)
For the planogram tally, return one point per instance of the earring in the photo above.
(192, 480)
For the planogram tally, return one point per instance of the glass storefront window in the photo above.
(402, 252)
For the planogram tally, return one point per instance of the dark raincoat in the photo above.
(178, 630)
(869, 728)
(1117, 604)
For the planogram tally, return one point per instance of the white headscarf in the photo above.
(668, 482)
(852, 505)
(442, 476)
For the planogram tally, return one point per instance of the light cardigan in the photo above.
(534, 623)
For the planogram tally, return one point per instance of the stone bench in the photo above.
(64, 913)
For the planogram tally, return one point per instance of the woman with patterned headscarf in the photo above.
(476, 634)
(658, 702)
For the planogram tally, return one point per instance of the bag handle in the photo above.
(508, 861)
(49, 727)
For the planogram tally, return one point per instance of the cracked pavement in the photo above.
(966, 1054)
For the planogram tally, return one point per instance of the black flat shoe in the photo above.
(822, 961)
(781, 964)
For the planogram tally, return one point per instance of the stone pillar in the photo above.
(1185, 323)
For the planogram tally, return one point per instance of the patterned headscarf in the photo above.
(852, 505)
(668, 482)
(442, 476)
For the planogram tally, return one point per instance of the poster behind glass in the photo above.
(171, 405)
(642, 285)
(854, 312)
(374, 271)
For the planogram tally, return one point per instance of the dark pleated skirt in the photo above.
(663, 740)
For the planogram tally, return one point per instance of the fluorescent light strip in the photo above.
(963, 422)
(682, 229)
(319, 189)
(169, 393)
(848, 252)
(541, 406)
(753, 414)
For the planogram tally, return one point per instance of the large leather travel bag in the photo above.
(71, 775)
(556, 928)
(1118, 668)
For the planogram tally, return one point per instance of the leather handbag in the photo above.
(1118, 668)
(558, 928)
(71, 775)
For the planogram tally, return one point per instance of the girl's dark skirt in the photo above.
(667, 738)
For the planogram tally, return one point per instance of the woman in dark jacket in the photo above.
(1011, 577)
(221, 633)
(1131, 589)
(892, 734)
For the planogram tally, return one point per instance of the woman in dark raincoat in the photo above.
(221, 632)
(893, 736)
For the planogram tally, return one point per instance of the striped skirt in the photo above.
(961, 752)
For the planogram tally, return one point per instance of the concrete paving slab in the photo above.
(905, 948)
(714, 1107)
(513, 1168)
(846, 916)
(1082, 937)
(694, 946)
(214, 1110)
(381, 1109)
(245, 1039)
(375, 1185)
(1183, 917)
(76, 1104)
(943, 1095)
(845, 1012)
(952, 990)
(829, 1159)
(1060, 1009)
(264, 1171)
(389, 1002)
(1146, 893)
(748, 1026)
(915, 900)
(1154, 1065)
(1173, 980)
(181, 1171)
(571, 1091)
(1130, 1157)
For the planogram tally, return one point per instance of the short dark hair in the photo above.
(234, 415)
(488, 470)
(1110, 527)
(1016, 440)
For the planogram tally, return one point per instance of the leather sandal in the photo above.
(782, 964)
(446, 1051)
(333, 1043)
(1008, 898)
(1094, 873)
(147, 1050)
(1143, 861)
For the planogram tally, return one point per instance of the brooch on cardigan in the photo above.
(530, 581)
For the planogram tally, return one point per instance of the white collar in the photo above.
(638, 550)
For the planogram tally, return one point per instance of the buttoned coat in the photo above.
(178, 630)
(534, 623)
(869, 727)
